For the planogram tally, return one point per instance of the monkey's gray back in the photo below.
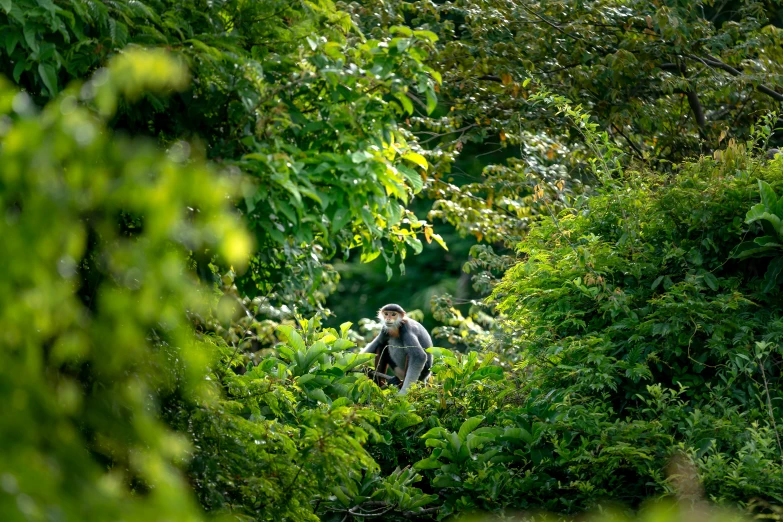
(420, 332)
(399, 352)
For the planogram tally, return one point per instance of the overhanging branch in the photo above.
(717, 64)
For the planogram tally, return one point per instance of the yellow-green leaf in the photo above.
(418, 159)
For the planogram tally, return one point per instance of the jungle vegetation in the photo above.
(204, 202)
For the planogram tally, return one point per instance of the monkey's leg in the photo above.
(404, 373)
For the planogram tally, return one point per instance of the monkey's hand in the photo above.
(394, 381)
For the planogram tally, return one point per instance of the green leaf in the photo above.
(344, 327)
(768, 197)
(7, 5)
(767, 241)
(416, 158)
(439, 240)
(476, 441)
(711, 281)
(413, 177)
(30, 37)
(436, 432)
(656, 283)
(11, 39)
(494, 373)
(291, 337)
(759, 212)
(429, 35)
(401, 29)
(401, 44)
(749, 249)
(369, 256)
(774, 272)
(404, 101)
(469, 425)
(19, 68)
(415, 243)
(318, 395)
(49, 77)
(341, 218)
(432, 100)
(428, 463)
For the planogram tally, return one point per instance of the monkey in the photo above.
(401, 344)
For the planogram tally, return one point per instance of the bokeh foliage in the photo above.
(97, 229)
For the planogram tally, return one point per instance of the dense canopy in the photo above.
(204, 203)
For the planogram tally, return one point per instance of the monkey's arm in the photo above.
(377, 344)
(417, 359)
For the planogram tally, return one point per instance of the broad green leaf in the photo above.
(429, 35)
(422, 501)
(436, 432)
(6, 5)
(401, 29)
(341, 218)
(30, 36)
(318, 395)
(11, 39)
(404, 101)
(428, 463)
(767, 241)
(774, 274)
(475, 441)
(415, 243)
(344, 327)
(343, 344)
(759, 212)
(369, 256)
(432, 100)
(406, 421)
(711, 281)
(768, 197)
(416, 158)
(291, 337)
(401, 44)
(469, 425)
(749, 249)
(19, 68)
(413, 177)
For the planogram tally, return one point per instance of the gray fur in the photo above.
(411, 344)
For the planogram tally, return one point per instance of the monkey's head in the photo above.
(391, 316)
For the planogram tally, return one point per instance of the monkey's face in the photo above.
(390, 319)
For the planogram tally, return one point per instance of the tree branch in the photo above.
(631, 143)
(717, 64)
(698, 111)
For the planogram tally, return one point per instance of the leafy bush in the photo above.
(96, 229)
